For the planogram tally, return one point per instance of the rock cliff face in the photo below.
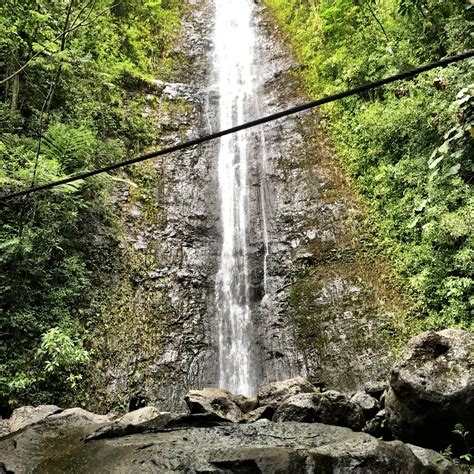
(322, 310)
(156, 338)
(326, 301)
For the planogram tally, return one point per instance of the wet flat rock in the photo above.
(258, 448)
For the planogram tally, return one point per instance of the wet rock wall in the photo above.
(327, 308)
(155, 340)
(330, 303)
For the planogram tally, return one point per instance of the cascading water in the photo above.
(234, 56)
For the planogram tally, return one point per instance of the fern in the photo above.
(73, 148)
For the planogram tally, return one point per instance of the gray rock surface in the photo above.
(363, 454)
(432, 389)
(330, 407)
(267, 448)
(220, 402)
(139, 416)
(265, 412)
(137, 421)
(159, 343)
(300, 407)
(274, 393)
(246, 404)
(432, 459)
(378, 426)
(28, 415)
(370, 406)
(376, 389)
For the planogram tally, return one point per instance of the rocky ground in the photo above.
(291, 426)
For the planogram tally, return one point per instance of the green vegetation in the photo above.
(72, 77)
(408, 147)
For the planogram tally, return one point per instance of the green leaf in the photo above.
(414, 222)
(5, 245)
(444, 148)
(452, 171)
(435, 163)
(422, 205)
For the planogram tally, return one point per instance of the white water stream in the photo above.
(237, 85)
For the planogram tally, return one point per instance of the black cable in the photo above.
(253, 123)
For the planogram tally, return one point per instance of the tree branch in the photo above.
(73, 28)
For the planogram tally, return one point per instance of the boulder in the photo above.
(214, 400)
(198, 420)
(273, 394)
(4, 429)
(340, 411)
(261, 413)
(432, 389)
(261, 447)
(435, 461)
(375, 389)
(246, 404)
(300, 407)
(139, 416)
(378, 426)
(363, 454)
(331, 407)
(28, 415)
(370, 406)
(137, 421)
(79, 417)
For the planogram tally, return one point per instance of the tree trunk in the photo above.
(15, 93)
(57, 76)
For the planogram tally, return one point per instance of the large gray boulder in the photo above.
(432, 389)
(363, 454)
(139, 416)
(137, 421)
(331, 407)
(433, 459)
(267, 448)
(28, 415)
(261, 413)
(273, 394)
(300, 407)
(220, 402)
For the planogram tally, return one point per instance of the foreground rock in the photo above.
(432, 389)
(245, 448)
(28, 416)
(370, 405)
(137, 421)
(25, 416)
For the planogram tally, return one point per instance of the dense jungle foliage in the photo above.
(69, 75)
(408, 147)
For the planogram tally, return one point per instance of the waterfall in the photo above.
(233, 64)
